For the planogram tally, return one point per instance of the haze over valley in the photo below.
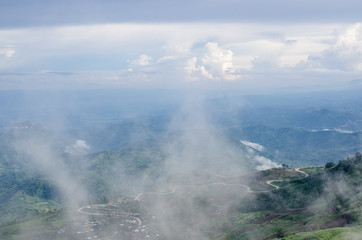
(197, 120)
(159, 170)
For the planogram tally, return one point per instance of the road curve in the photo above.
(138, 197)
(277, 187)
(300, 171)
(270, 183)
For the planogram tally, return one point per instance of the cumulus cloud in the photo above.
(143, 60)
(192, 70)
(139, 69)
(261, 54)
(345, 54)
(349, 37)
(215, 63)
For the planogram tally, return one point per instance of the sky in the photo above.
(223, 44)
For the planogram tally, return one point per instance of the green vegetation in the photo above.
(26, 194)
(329, 234)
(298, 147)
(312, 170)
(329, 165)
(303, 205)
(319, 202)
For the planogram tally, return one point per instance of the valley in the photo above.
(250, 173)
(218, 198)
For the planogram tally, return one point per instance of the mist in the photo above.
(174, 167)
(44, 157)
(195, 158)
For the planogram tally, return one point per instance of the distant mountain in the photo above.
(300, 147)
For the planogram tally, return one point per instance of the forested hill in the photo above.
(41, 176)
(324, 205)
(304, 203)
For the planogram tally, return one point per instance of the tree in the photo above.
(329, 165)
(285, 166)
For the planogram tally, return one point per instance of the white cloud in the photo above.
(253, 145)
(178, 47)
(10, 53)
(7, 52)
(166, 59)
(190, 69)
(261, 163)
(138, 69)
(79, 147)
(349, 37)
(143, 60)
(215, 63)
(214, 52)
(345, 54)
(264, 163)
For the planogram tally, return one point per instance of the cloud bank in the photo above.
(181, 55)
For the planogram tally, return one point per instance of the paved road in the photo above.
(298, 170)
(277, 187)
(270, 183)
(138, 197)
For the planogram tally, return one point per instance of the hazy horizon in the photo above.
(215, 44)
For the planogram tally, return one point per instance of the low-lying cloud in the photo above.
(39, 153)
(80, 147)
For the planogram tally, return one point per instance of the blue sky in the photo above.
(179, 44)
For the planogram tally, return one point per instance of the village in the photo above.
(117, 220)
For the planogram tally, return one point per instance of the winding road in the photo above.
(300, 171)
(277, 187)
(139, 196)
(270, 183)
(137, 224)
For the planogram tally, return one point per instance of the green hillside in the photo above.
(329, 234)
(324, 200)
(133, 192)
(326, 204)
(299, 147)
